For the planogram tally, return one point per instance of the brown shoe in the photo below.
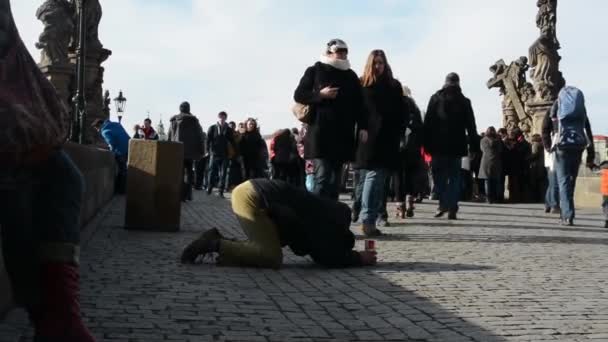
(205, 244)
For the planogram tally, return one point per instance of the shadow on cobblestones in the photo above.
(429, 267)
(495, 238)
(492, 225)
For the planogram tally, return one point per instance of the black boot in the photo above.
(207, 243)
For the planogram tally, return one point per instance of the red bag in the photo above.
(33, 119)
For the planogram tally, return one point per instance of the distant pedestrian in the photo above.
(518, 166)
(537, 177)
(335, 95)
(491, 170)
(450, 133)
(118, 141)
(149, 131)
(219, 138)
(185, 128)
(567, 131)
(253, 149)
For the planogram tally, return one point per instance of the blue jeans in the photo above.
(567, 164)
(447, 179)
(371, 185)
(217, 173)
(552, 195)
(327, 178)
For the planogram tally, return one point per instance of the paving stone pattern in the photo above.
(499, 273)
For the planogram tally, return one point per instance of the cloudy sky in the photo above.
(247, 56)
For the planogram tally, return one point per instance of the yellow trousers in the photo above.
(263, 247)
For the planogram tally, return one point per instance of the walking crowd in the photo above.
(285, 193)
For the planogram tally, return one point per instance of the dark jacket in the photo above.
(252, 148)
(325, 236)
(537, 161)
(412, 142)
(387, 119)
(331, 131)
(449, 124)
(517, 158)
(491, 159)
(284, 148)
(218, 139)
(185, 128)
(549, 129)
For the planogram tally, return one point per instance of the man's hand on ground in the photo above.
(368, 258)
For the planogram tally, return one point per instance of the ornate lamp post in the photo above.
(121, 103)
(79, 100)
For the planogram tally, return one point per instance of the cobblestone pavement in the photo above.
(499, 273)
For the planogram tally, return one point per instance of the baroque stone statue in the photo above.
(93, 13)
(515, 90)
(57, 17)
(544, 56)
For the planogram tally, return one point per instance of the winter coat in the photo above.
(537, 161)
(185, 128)
(331, 131)
(387, 119)
(218, 139)
(116, 137)
(491, 159)
(517, 158)
(449, 124)
(252, 147)
(412, 140)
(283, 148)
(149, 133)
(309, 224)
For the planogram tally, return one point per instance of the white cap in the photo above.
(336, 44)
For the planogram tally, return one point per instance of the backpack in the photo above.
(571, 119)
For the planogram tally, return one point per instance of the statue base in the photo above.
(60, 76)
(538, 111)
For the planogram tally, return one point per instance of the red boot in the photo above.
(58, 317)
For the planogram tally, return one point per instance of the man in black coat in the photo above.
(186, 129)
(334, 93)
(449, 132)
(219, 136)
(274, 214)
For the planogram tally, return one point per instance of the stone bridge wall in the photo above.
(98, 168)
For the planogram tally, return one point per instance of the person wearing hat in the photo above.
(40, 195)
(450, 133)
(186, 129)
(337, 110)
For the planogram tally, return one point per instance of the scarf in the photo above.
(340, 64)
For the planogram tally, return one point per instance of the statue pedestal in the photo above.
(60, 77)
(539, 111)
(154, 184)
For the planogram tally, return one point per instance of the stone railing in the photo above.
(98, 168)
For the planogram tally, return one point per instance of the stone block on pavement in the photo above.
(154, 185)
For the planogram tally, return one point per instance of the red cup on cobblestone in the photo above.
(370, 245)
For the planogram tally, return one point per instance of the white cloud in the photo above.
(246, 57)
